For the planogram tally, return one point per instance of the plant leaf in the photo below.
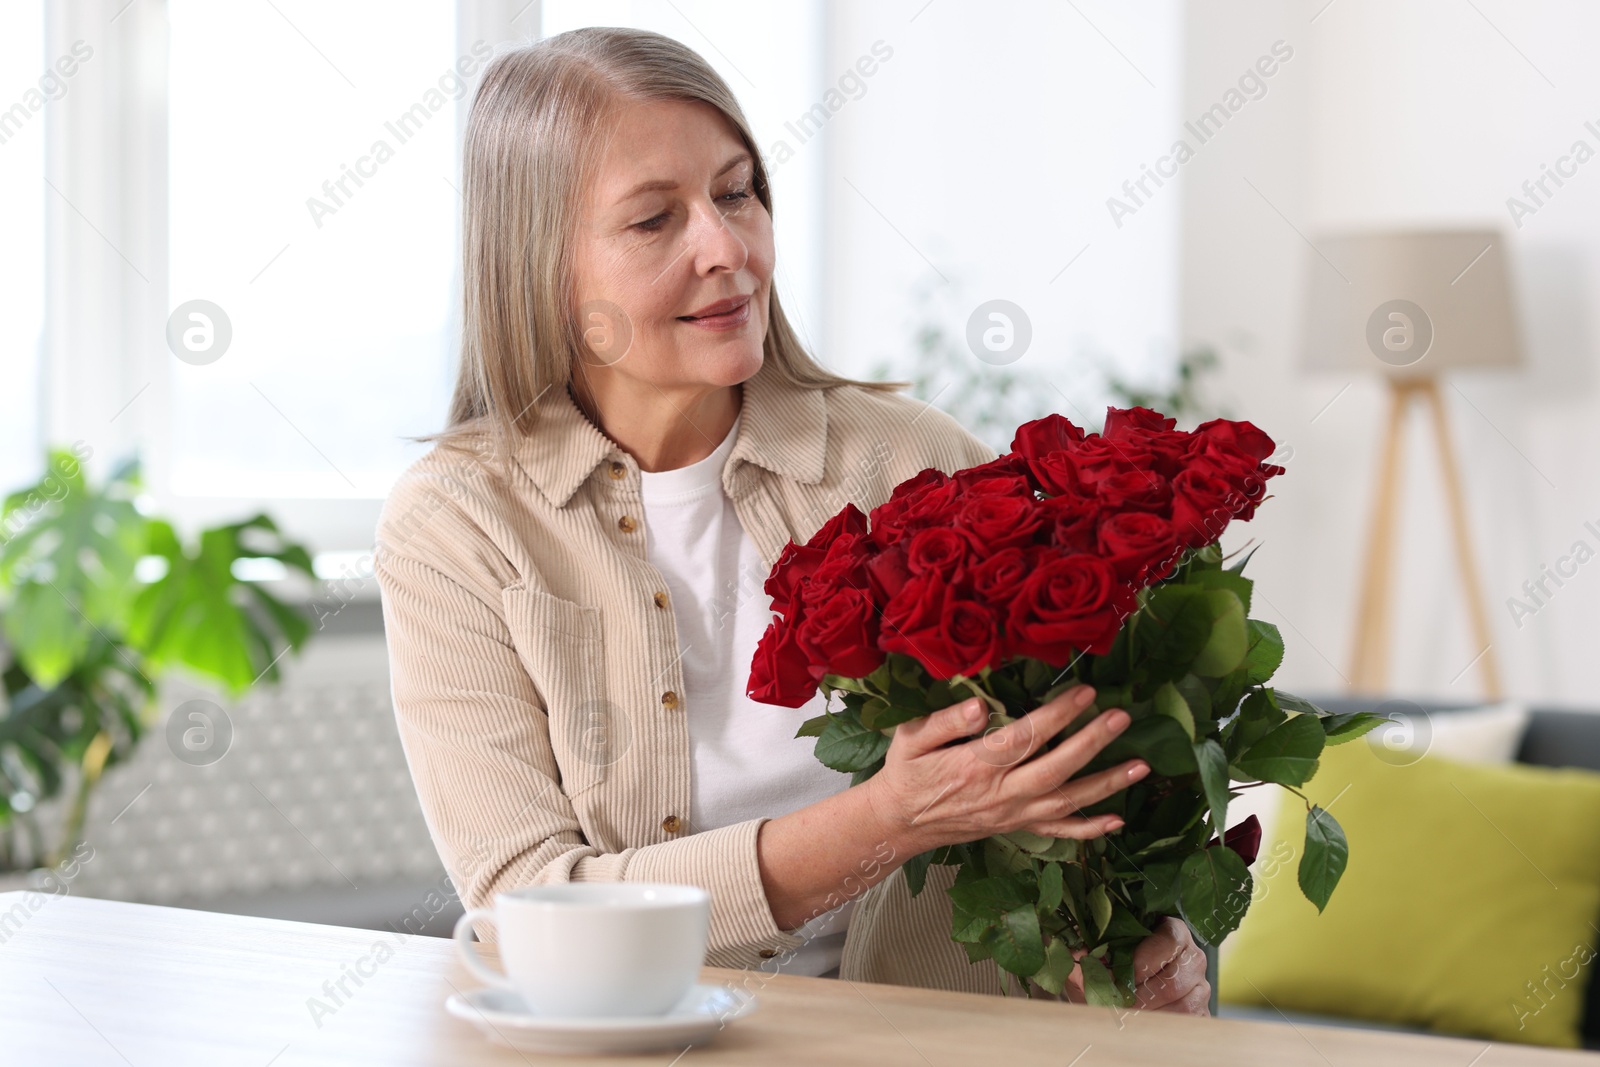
(1050, 888)
(1265, 655)
(1169, 702)
(1323, 862)
(1229, 638)
(1213, 764)
(846, 745)
(1098, 989)
(1017, 942)
(1057, 967)
(1349, 726)
(916, 869)
(813, 726)
(1213, 892)
(1100, 909)
(1287, 754)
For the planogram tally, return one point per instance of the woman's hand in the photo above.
(934, 793)
(1169, 973)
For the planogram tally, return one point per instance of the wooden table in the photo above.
(90, 982)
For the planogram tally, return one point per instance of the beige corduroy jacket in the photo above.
(535, 665)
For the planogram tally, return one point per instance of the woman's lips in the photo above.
(728, 320)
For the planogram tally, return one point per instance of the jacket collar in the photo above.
(783, 430)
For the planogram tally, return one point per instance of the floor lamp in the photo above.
(1411, 306)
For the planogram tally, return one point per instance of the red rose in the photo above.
(796, 563)
(789, 574)
(995, 580)
(1140, 547)
(993, 522)
(1234, 437)
(1135, 491)
(1069, 604)
(1169, 451)
(887, 571)
(1099, 458)
(1203, 503)
(779, 671)
(1072, 521)
(938, 550)
(944, 633)
(840, 635)
(1007, 474)
(1119, 421)
(844, 566)
(1043, 444)
(1053, 433)
(913, 501)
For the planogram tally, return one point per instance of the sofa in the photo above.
(1555, 737)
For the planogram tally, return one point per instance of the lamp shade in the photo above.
(1409, 304)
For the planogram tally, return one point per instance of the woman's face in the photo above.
(670, 226)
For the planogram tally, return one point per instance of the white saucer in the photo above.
(504, 1018)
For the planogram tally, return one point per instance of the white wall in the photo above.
(977, 164)
(1427, 113)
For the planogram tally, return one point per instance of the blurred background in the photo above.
(228, 291)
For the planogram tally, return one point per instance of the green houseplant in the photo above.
(99, 601)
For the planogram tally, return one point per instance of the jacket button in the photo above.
(671, 824)
(617, 469)
(767, 953)
(625, 524)
(661, 600)
(669, 699)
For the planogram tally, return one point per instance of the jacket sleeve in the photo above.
(477, 741)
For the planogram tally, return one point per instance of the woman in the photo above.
(572, 579)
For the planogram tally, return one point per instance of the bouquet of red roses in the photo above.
(1074, 558)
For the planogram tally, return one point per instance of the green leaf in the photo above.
(1290, 702)
(1170, 702)
(1050, 887)
(1161, 886)
(916, 871)
(1173, 626)
(1100, 909)
(1001, 856)
(846, 745)
(1124, 925)
(1098, 989)
(879, 714)
(813, 726)
(1017, 943)
(1158, 740)
(1038, 845)
(1287, 754)
(1258, 714)
(1238, 568)
(1213, 764)
(1057, 966)
(1349, 726)
(1213, 892)
(1265, 656)
(1229, 638)
(1233, 582)
(1323, 862)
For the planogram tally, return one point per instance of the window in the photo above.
(313, 210)
(27, 88)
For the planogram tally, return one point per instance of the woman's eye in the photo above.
(652, 224)
(738, 194)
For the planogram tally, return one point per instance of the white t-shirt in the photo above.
(745, 760)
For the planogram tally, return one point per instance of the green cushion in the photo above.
(1470, 903)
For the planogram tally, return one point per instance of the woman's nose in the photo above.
(715, 242)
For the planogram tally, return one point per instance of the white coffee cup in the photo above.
(578, 949)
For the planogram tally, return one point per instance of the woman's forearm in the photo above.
(814, 859)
